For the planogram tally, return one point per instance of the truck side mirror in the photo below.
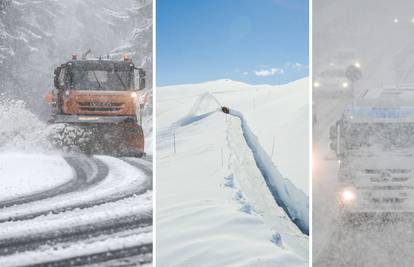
(335, 137)
(141, 74)
(141, 83)
(56, 78)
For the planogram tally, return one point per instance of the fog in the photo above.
(379, 37)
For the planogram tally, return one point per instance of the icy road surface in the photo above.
(86, 211)
(214, 206)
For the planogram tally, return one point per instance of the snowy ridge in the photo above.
(291, 199)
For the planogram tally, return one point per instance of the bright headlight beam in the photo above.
(133, 94)
(348, 195)
(316, 84)
(344, 84)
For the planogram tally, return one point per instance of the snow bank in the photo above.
(20, 129)
(22, 174)
(291, 199)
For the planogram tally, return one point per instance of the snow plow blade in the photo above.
(111, 135)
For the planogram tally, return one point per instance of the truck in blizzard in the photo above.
(94, 107)
(374, 144)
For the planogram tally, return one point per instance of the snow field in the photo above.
(214, 208)
(200, 221)
(264, 107)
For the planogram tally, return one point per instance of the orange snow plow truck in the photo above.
(95, 106)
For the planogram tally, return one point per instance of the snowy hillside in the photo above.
(214, 200)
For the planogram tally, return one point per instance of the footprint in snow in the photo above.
(247, 208)
(229, 181)
(277, 240)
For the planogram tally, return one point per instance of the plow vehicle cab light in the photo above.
(345, 85)
(357, 65)
(347, 195)
(133, 94)
(316, 84)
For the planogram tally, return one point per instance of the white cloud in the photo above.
(296, 66)
(269, 72)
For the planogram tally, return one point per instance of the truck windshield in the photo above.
(379, 136)
(101, 80)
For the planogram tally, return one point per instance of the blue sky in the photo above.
(258, 42)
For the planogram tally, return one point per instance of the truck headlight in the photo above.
(348, 195)
(316, 84)
(133, 94)
(344, 85)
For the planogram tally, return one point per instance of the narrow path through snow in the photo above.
(292, 200)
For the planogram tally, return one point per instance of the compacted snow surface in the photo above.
(23, 174)
(214, 205)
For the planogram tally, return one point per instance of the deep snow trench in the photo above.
(292, 200)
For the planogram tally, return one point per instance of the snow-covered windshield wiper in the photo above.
(122, 82)
(96, 78)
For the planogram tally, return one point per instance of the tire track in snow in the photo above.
(79, 166)
(73, 234)
(90, 172)
(142, 254)
(80, 180)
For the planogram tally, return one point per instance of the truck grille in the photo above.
(388, 200)
(393, 171)
(100, 106)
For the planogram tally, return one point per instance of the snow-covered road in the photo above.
(85, 210)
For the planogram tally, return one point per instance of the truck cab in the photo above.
(100, 96)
